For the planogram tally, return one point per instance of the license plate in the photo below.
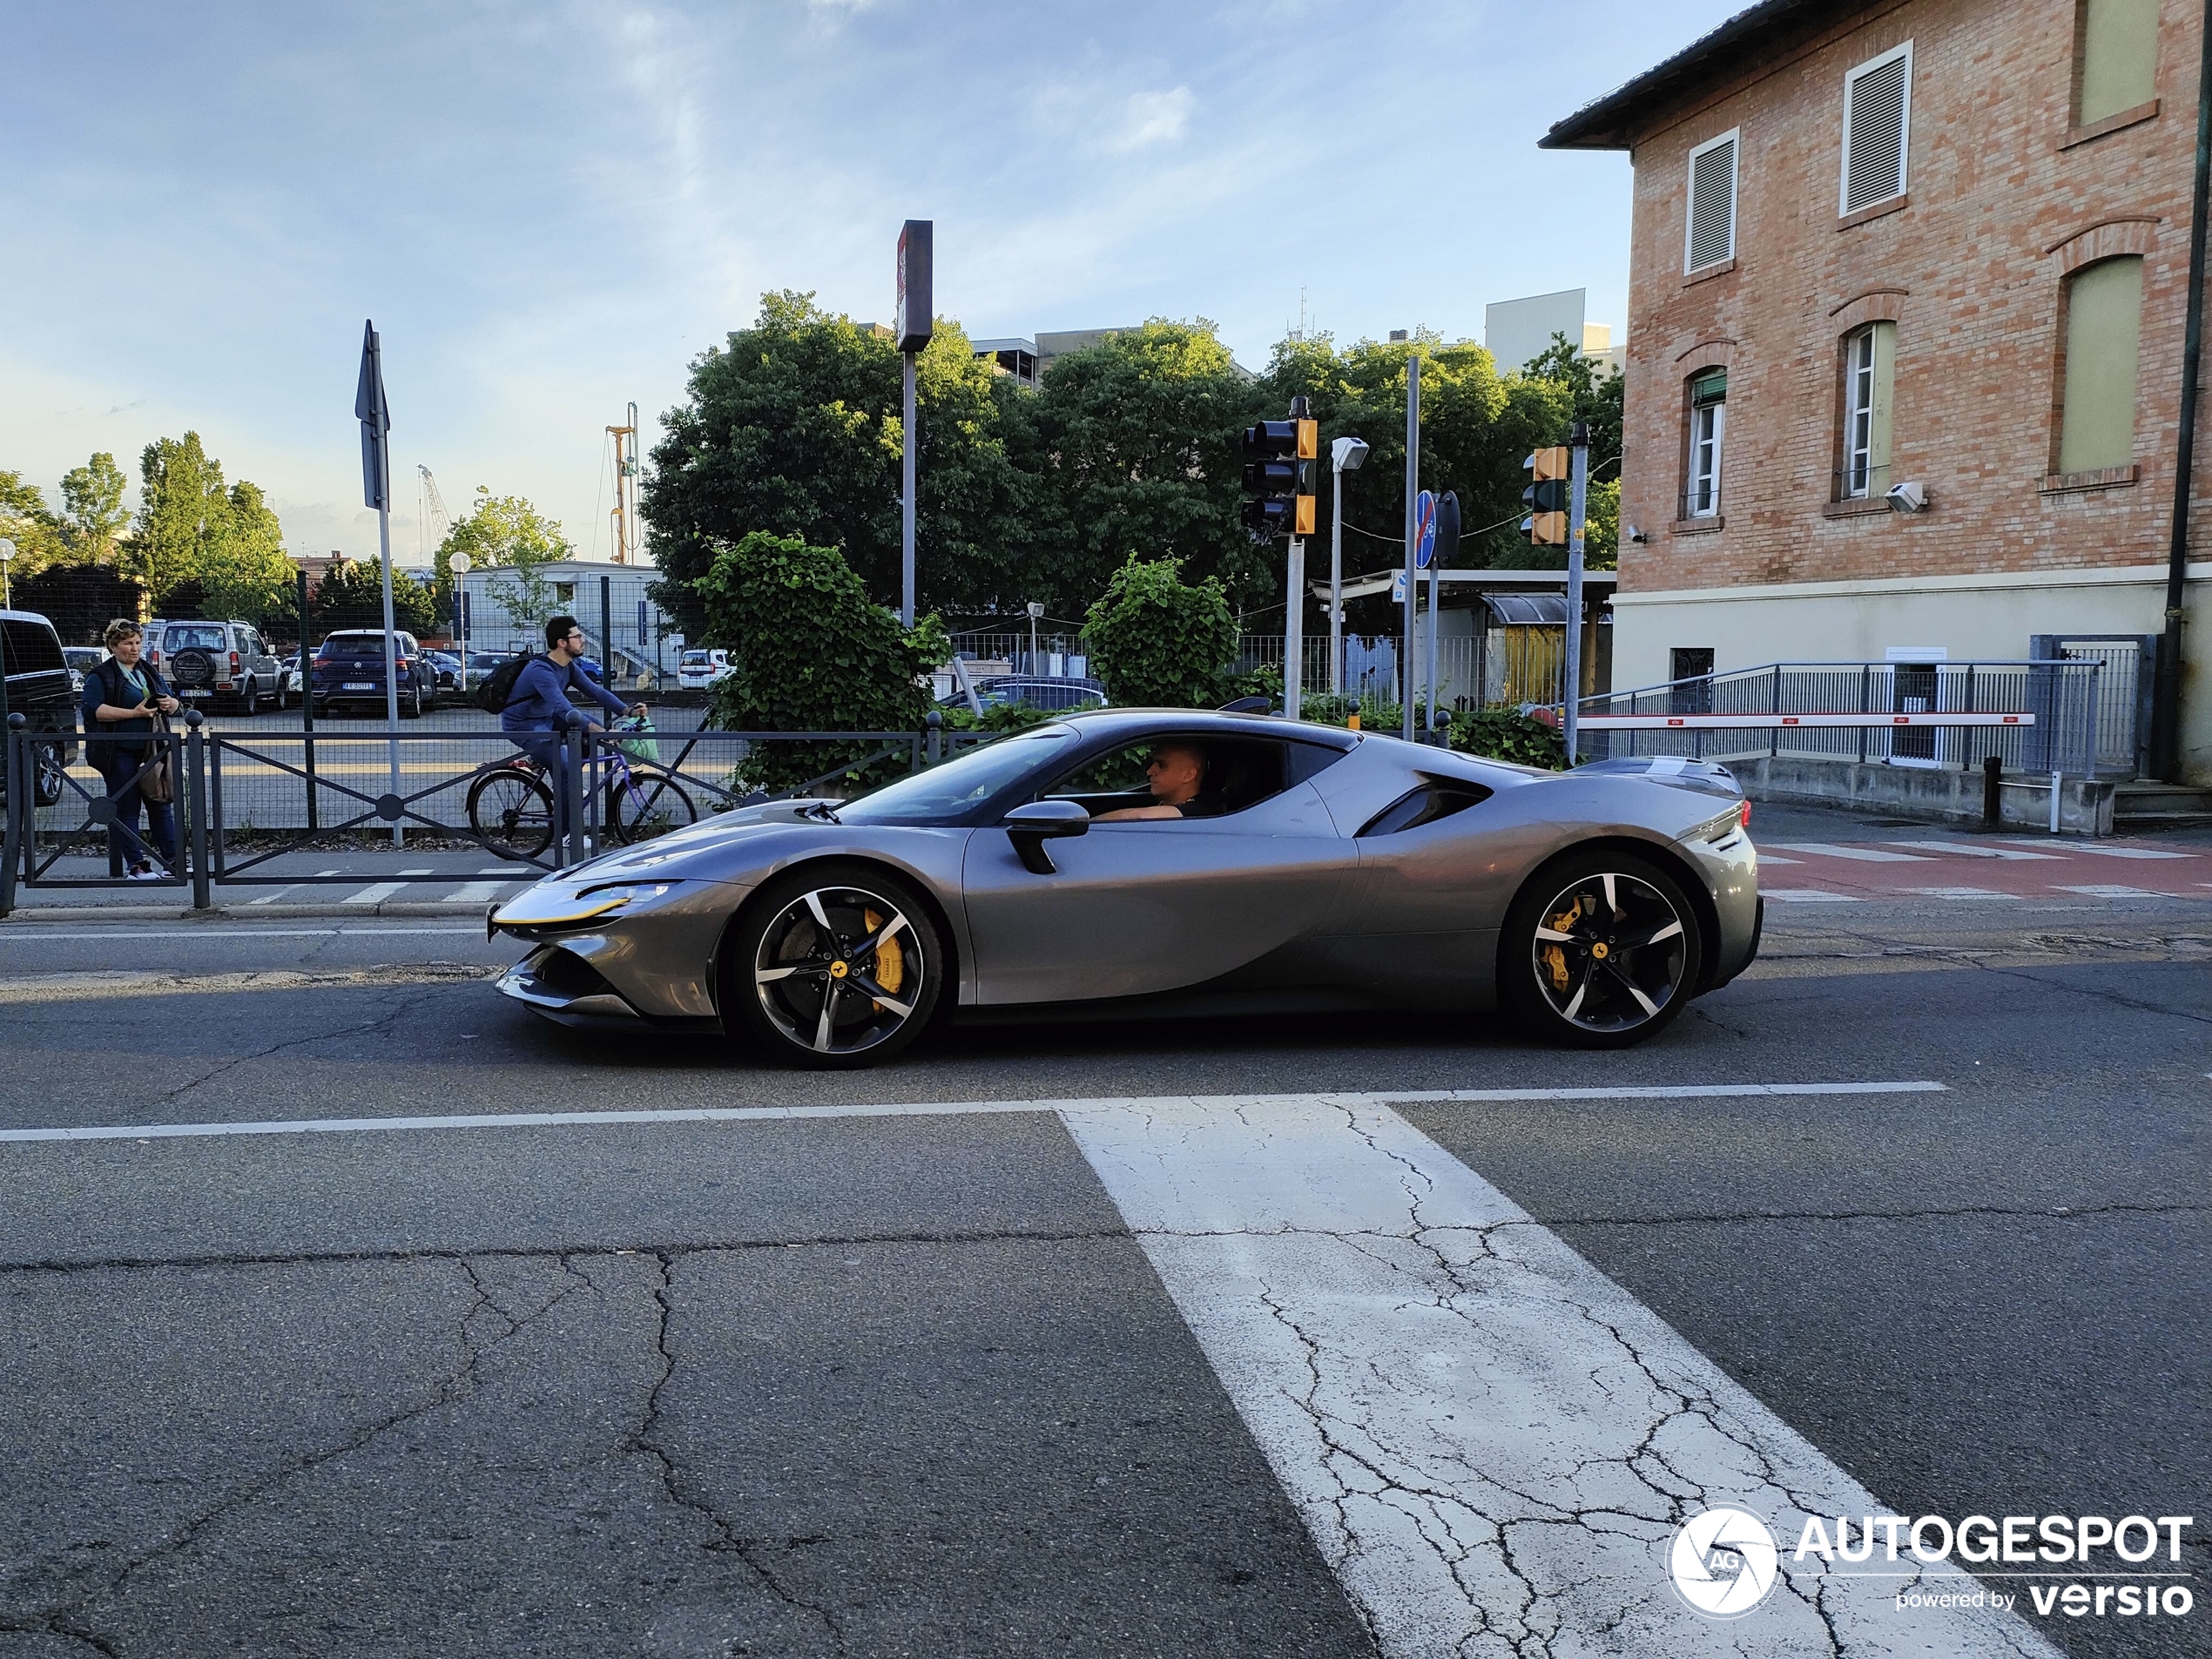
(358, 685)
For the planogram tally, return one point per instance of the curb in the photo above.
(243, 913)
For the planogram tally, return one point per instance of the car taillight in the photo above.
(1744, 816)
(233, 662)
(401, 664)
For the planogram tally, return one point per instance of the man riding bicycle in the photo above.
(539, 704)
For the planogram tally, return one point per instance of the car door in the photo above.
(1133, 908)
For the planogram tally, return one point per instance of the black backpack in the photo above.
(496, 690)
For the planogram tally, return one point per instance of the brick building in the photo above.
(1937, 244)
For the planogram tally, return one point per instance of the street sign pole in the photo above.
(907, 506)
(1412, 488)
(1571, 692)
(914, 320)
(1294, 631)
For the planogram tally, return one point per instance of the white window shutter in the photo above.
(1874, 132)
(1712, 204)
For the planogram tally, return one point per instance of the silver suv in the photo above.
(214, 662)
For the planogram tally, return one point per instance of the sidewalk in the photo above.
(318, 882)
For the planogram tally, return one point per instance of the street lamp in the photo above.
(461, 564)
(1345, 454)
(1036, 615)
(7, 559)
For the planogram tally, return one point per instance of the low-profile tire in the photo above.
(832, 966)
(1601, 950)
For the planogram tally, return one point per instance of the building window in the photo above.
(1708, 431)
(2104, 304)
(1869, 375)
(2115, 55)
(1877, 111)
(1709, 236)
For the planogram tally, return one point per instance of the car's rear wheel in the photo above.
(1600, 950)
(834, 966)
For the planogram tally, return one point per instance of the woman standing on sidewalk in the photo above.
(120, 698)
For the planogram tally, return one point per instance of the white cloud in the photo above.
(1155, 117)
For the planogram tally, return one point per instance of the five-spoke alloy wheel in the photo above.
(1601, 950)
(834, 966)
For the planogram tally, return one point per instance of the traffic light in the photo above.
(1546, 498)
(1279, 461)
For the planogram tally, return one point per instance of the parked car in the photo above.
(1038, 691)
(288, 686)
(348, 668)
(38, 689)
(81, 661)
(447, 669)
(482, 663)
(700, 669)
(215, 663)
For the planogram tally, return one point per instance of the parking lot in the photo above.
(1277, 1336)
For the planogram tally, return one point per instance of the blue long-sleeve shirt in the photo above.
(540, 700)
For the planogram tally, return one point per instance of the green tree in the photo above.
(26, 520)
(809, 652)
(794, 428)
(92, 509)
(242, 571)
(508, 536)
(351, 595)
(1133, 443)
(1158, 642)
(180, 496)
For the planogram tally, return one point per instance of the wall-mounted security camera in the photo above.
(1636, 535)
(1910, 496)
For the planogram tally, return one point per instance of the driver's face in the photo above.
(1175, 775)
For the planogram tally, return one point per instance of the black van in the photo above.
(39, 689)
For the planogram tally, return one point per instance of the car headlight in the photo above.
(621, 894)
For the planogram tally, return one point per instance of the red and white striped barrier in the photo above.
(1769, 722)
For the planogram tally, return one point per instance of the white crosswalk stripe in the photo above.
(381, 891)
(478, 892)
(1856, 854)
(1976, 850)
(2095, 851)
(2105, 891)
(1808, 895)
(1960, 893)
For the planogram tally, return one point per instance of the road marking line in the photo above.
(2120, 852)
(274, 895)
(1809, 895)
(2102, 890)
(507, 870)
(1858, 854)
(478, 892)
(931, 1109)
(1766, 857)
(1490, 1441)
(1960, 893)
(127, 930)
(376, 895)
(1975, 850)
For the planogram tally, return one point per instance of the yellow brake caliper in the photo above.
(1554, 959)
(890, 960)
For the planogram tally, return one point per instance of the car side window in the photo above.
(1240, 773)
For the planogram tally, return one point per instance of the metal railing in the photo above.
(242, 801)
(2066, 698)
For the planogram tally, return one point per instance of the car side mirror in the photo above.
(1034, 823)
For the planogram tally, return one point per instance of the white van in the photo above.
(700, 669)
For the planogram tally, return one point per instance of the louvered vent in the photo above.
(1874, 135)
(1712, 204)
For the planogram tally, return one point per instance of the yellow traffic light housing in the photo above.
(1547, 497)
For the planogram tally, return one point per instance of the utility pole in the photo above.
(625, 508)
(1578, 501)
(1412, 489)
(916, 320)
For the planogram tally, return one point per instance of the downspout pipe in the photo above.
(2166, 705)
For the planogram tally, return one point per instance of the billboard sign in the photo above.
(912, 320)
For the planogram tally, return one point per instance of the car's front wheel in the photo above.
(1600, 950)
(834, 966)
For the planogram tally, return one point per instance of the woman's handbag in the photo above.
(155, 784)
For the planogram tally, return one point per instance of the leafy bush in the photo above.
(810, 652)
(1158, 642)
(1504, 733)
(1266, 681)
(1000, 717)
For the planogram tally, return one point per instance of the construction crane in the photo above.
(433, 508)
(625, 508)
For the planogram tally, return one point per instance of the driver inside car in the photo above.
(1176, 774)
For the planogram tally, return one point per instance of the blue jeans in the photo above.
(119, 769)
(544, 747)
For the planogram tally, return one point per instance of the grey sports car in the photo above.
(1315, 869)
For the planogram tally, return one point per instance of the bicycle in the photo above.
(511, 810)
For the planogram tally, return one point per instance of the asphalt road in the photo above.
(911, 1384)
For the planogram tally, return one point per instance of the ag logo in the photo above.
(1723, 1563)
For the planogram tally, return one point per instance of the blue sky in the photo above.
(549, 208)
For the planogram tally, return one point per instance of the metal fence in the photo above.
(244, 799)
(2072, 731)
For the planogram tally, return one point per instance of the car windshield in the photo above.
(694, 659)
(958, 786)
(206, 638)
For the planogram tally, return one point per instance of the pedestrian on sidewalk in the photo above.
(538, 708)
(122, 697)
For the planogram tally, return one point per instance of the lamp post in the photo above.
(7, 559)
(1036, 615)
(461, 564)
(1345, 454)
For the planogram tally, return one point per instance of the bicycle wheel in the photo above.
(641, 805)
(512, 812)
